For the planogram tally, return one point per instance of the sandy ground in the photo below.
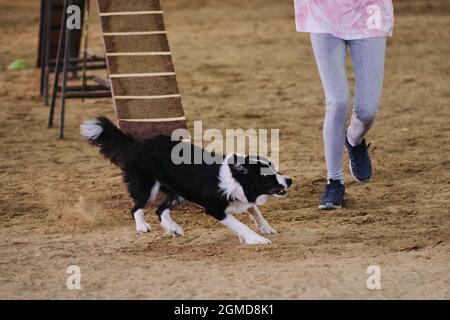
(239, 64)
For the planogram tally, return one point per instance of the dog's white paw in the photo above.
(143, 227)
(172, 228)
(267, 229)
(256, 239)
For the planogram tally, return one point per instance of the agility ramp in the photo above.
(144, 87)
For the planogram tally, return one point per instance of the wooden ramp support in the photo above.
(144, 86)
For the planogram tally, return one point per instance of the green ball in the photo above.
(19, 64)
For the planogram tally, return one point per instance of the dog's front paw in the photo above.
(267, 229)
(143, 227)
(172, 228)
(256, 239)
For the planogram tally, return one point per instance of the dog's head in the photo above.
(258, 177)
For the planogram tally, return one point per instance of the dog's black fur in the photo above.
(144, 163)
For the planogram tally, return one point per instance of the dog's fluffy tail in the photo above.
(115, 145)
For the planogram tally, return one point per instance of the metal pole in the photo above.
(41, 50)
(64, 84)
(48, 27)
(62, 33)
(86, 32)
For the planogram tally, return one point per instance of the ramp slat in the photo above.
(128, 5)
(135, 64)
(148, 86)
(136, 43)
(132, 23)
(142, 129)
(141, 108)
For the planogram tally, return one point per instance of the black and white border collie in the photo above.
(236, 184)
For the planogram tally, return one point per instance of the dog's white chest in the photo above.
(237, 207)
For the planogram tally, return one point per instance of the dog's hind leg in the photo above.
(163, 212)
(140, 191)
(260, 222)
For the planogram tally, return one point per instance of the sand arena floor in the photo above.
(240, 65)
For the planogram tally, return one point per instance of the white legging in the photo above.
(368, 64)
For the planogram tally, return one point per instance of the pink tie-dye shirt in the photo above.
(346, 19)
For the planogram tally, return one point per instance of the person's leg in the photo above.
(330, 53)
(368, 64)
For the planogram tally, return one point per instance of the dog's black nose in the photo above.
(288, 182)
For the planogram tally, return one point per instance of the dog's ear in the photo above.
(237, 164)
(240, 168)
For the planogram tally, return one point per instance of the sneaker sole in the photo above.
(329, 206)
(354, 177)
